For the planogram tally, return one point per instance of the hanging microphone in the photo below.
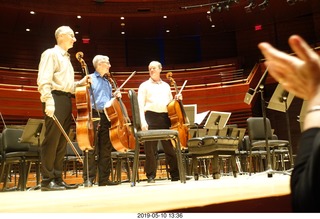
(79, 55)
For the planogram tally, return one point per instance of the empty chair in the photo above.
(15, 152)
(257, 130)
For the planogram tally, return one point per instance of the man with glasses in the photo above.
(100, 95)
(56, 86)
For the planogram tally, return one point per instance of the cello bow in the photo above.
(67, 137)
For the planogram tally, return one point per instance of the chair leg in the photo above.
(4, 174)
(215, 167)
(195, 167)
(182, 173)
(135, 164)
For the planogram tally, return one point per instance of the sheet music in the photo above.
(199, 119)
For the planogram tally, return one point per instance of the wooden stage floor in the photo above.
(255, 193)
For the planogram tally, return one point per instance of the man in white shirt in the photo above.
(153, 97)
(56, 86)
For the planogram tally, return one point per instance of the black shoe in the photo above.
(151, 180)
(60, 182)
(109, 183)
(52, 186)
(178, 178)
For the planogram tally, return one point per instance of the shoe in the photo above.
(109, 183)
(60, 182)
(178, 178)
(151, 180)
(52, 186)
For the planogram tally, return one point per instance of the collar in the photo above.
(97, 74)
(62, 51)
(153, 82)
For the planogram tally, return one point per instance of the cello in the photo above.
(84, 126)
(177, 115)
(121, 135)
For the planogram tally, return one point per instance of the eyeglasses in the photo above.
(108, 63)
(71, 35)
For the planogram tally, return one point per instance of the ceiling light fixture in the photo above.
(291, 2)
(264, 5)
(250, 6)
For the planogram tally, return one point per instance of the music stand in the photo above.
(217, 120)
(191, 112)
(33, 132)
(238, 133)
(280, 101)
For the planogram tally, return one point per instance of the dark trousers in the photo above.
(100, 157)
(159, 121)
(54, 145)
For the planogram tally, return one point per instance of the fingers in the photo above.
(301, 48)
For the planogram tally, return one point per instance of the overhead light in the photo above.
(219, 8)
(291, 2)
(213, 8)
(264, 4)
(250, 6)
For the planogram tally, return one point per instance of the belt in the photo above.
(59, 92)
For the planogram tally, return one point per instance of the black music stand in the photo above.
(217, 120)
(33, 133)
(280, 101)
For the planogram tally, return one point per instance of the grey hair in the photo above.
(62, 30)
(98, 59)
(156, 63)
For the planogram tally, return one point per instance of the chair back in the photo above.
(136, 121)
(11, 141)
(70, 151)
(256, 128)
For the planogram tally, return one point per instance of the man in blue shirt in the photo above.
(100, 157)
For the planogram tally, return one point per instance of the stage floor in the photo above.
(255, 193)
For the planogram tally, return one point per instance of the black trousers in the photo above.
(99, 158)
(54, 145)
(159, 121)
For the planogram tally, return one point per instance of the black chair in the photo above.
(151, 135)
(15, 152)
(120, 160)
(257, 141)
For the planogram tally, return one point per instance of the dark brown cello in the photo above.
(120, 132)
(84, 126)
(177, 115)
